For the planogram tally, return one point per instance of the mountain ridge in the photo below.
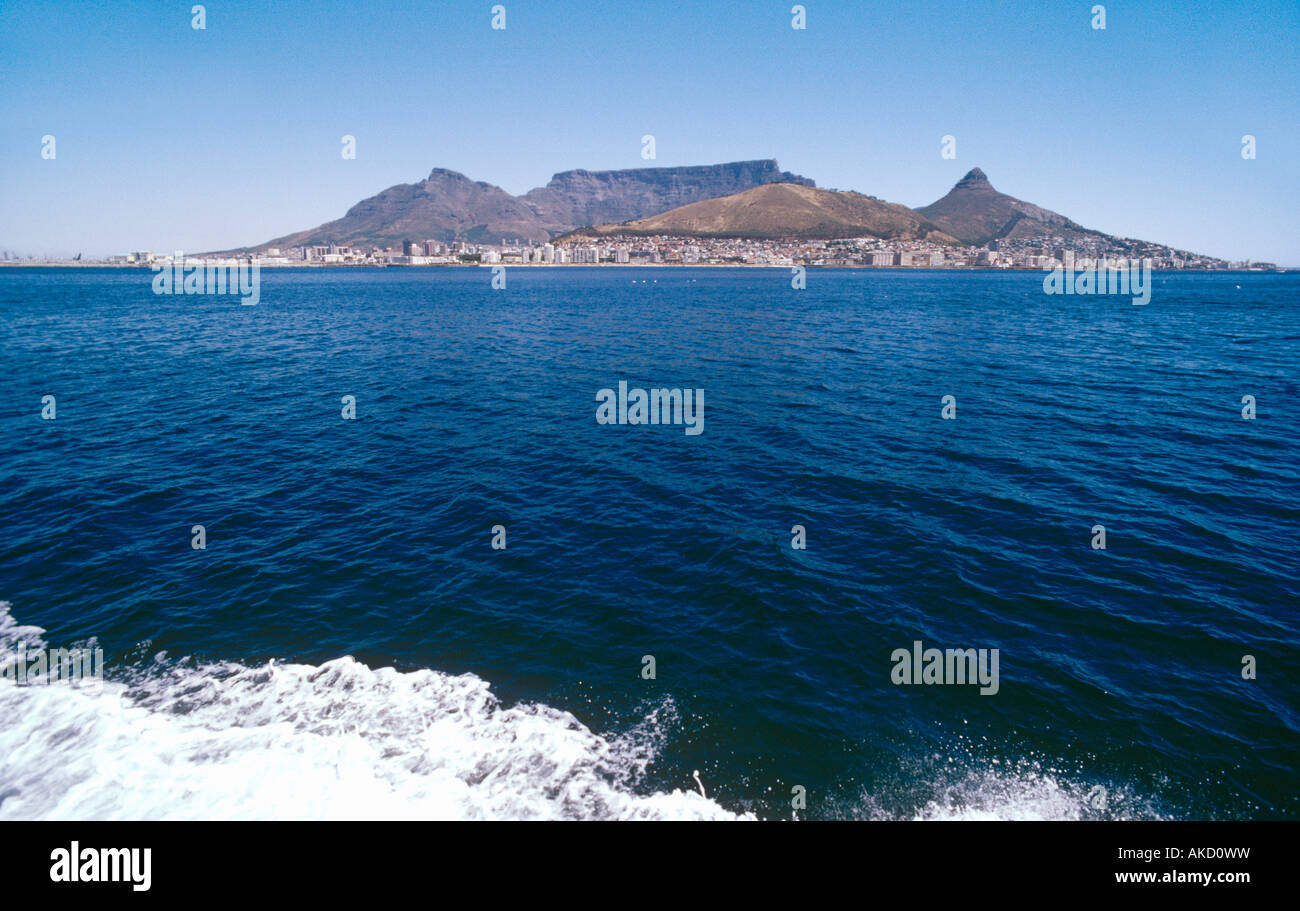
(741, 199)
(976, 214)
(784, 210)
(449, 206)
(579, 198)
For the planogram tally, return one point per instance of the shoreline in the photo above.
(855, 267)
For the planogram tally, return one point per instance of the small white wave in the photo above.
(335, 741)
(1023, 790)
(1027, 795)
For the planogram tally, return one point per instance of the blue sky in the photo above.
(172, 138)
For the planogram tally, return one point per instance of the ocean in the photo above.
(475, 600)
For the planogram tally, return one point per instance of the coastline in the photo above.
(783, 267)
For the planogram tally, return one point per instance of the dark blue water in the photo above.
(1121, 691)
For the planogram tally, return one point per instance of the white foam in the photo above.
(335, 741)
(1023, 790)
(1024, 795)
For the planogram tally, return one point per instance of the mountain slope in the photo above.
(446, 206)
(975, 213)
(577, 198)
(449, 206)
(784, 210)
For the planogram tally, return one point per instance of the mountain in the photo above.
(449, 206)
(975, 213)
(577, 198)
(754, 199)
(445, 206)
(784, 210)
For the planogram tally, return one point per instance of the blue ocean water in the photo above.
(349, 643)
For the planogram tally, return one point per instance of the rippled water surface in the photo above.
(350, 644)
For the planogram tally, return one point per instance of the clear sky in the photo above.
(171, 138)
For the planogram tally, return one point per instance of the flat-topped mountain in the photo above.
(448, 206)
(975, 213)
(741, 199)
(578, 198)
(785, 210)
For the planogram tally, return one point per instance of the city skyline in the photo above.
(173, 137)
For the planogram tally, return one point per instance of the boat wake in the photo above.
(180, 740)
